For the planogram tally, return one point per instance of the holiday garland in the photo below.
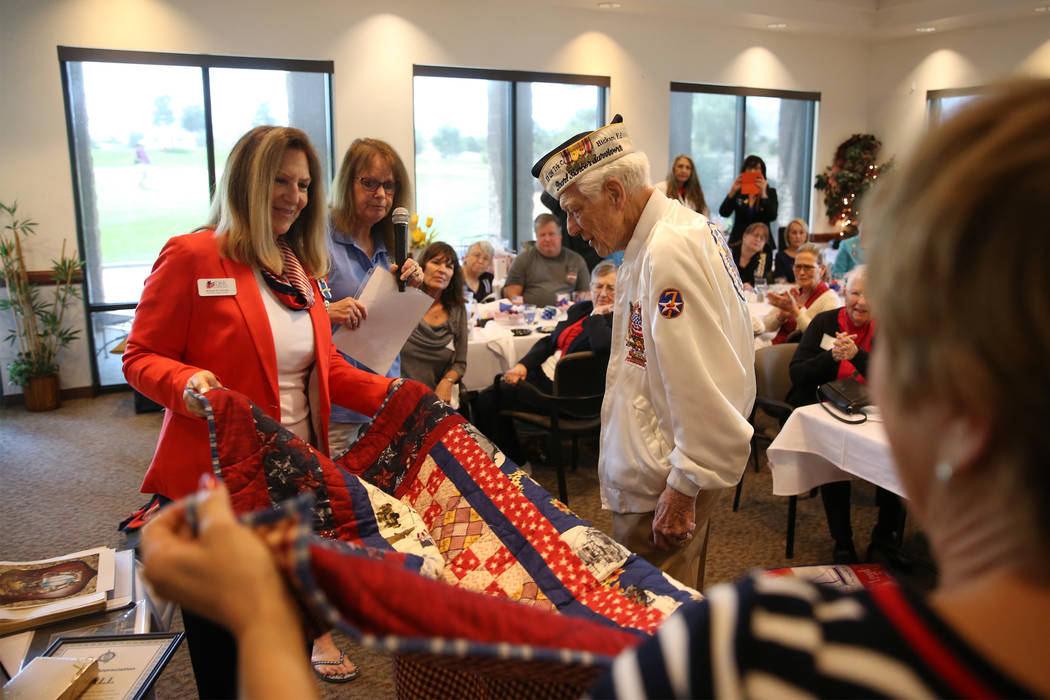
(849, 176)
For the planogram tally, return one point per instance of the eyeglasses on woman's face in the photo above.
(756, 236)
(804, 268)
(372, 185)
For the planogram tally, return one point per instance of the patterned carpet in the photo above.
(71, 475)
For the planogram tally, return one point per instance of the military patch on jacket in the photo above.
(671, 303)
(727, 258)
(635, 341)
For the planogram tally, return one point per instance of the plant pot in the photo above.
(41, 393)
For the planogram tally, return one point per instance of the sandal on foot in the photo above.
(334, 677)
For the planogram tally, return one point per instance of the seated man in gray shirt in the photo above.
(539, 273)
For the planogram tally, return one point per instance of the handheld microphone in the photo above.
(400, 218)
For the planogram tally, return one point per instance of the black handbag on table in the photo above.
(846, 394)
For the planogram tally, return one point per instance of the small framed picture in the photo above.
(128, 664)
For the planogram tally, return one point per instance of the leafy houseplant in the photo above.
(39, 330)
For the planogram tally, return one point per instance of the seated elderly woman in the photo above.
(476, 275)
(965, 411)
(588, 326)
(836, 344)
(795, 308)
(749, 254)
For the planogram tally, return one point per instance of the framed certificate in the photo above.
(128, 664)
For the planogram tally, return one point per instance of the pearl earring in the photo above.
(943, 470)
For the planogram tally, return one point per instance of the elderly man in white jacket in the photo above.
(681, 382)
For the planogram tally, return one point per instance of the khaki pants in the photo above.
(686, 563)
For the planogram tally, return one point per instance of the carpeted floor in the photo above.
(69, 476)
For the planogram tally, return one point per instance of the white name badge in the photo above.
(219, 287)
(827, 342)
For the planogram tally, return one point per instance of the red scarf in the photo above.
(569, 334)
(788, 327)
(863, 334)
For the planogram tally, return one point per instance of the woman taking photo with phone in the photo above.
(750, 200)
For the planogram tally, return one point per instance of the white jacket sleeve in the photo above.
(704, 356)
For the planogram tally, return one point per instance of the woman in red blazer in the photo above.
(237, 304)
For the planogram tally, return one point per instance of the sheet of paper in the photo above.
(392, 315)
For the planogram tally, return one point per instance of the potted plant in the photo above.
(39, 330)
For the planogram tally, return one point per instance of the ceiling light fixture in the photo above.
(609, 5)
(925, 30)
(777, 25)
(1043, 8)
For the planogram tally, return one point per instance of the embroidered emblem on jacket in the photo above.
(635, 341)
(671, 303)
(727, 258)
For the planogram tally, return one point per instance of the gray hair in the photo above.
(857, 273)
(632, 170)
(484, 246)
(810, 248)
(603, 268)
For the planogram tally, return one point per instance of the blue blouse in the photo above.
(350, 267)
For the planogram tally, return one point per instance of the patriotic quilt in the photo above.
(436, 547)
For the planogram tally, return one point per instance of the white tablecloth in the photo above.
(813, 449)
(758, 311)
(494, 349)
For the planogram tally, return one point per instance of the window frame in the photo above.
(740, 137)
(933, 97)
(206, 62)
(513, 77)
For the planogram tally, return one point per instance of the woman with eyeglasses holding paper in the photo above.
(371, 183)
(795, 308)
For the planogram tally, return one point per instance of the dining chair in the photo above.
(574, 407)
(772, 383)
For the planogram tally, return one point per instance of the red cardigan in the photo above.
(177, 332)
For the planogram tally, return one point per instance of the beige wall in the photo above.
(901, 72)
(863, 86)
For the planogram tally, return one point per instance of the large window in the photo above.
(149, 134)
(477, 134)
(720, 126)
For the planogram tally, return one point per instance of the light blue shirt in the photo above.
(350, 267)
(850, 255)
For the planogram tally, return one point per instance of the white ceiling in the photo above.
(864, 19)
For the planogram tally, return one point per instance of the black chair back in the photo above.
(579, 383)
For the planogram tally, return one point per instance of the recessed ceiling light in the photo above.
(777, 25)
(1043, 8)
(925, 30)
(609, 5)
